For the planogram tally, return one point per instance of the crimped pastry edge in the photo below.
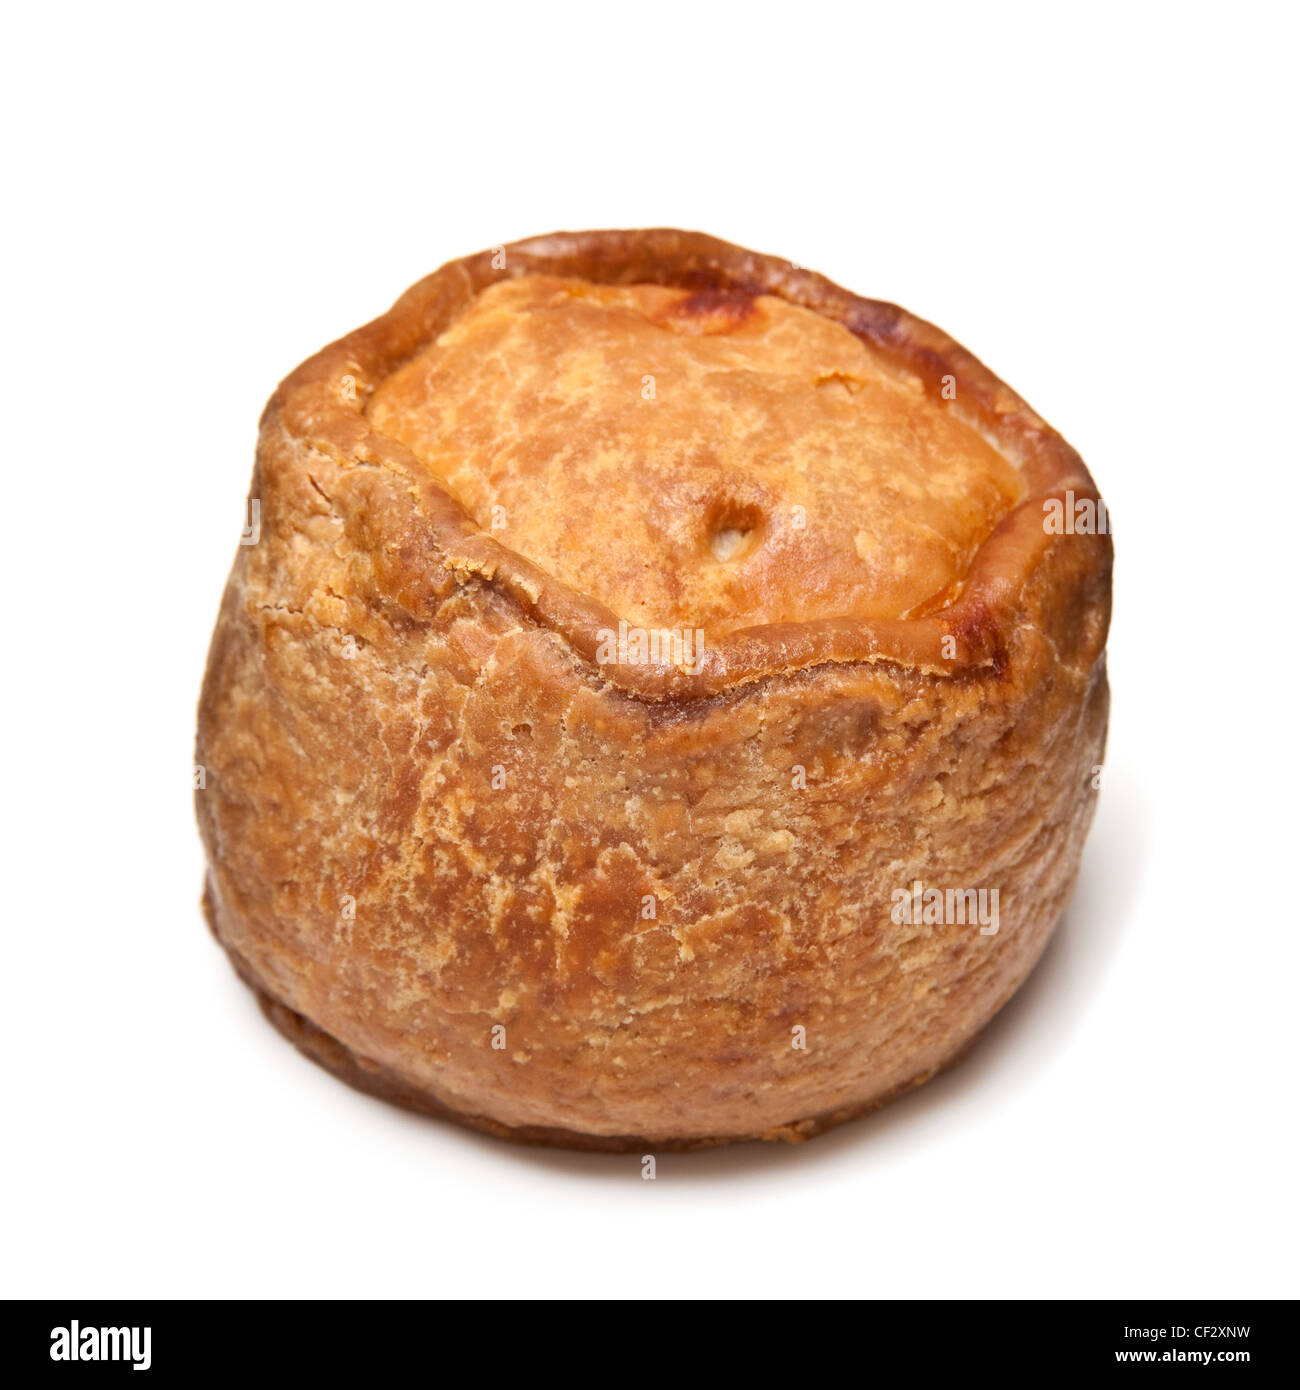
(968, 635)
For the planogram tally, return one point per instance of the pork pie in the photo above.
(658, 700)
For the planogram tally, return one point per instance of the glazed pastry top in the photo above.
(699, 459)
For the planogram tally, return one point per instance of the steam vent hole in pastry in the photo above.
(714, 460)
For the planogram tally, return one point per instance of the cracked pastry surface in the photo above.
(693, 459)
(474, 864)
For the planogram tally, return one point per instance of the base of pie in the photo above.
(374, 1079)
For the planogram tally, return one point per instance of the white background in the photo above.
(1100, 206)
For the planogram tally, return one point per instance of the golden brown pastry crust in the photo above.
(432, 809)
(610, 433)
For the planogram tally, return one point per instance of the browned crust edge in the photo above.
(423, 534)
(373, 1079)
